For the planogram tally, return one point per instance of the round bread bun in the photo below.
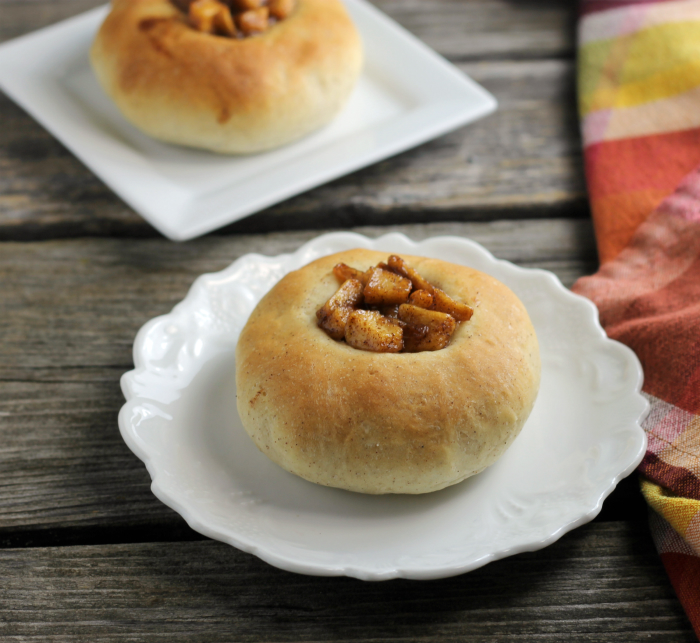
(228, 95)
(385, 422)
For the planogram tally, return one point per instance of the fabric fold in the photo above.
(639, 99)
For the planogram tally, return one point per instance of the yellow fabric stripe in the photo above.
(647, 65)
(676, 510)
(661, 85)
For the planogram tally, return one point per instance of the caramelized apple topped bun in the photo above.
(231, 76)
(380, 373)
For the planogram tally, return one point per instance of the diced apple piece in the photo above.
(417, 316)
(333, 315)
(440, 327)
(397, 264)
(280, 9)
(349, 295)
(421, 298)
(333, 321)
(223, 23)
(369, 330)
(210, 16)
(445, 304)
(386, 288)
(253, 21)
(343, 272)
(413, 336)
(439, 300)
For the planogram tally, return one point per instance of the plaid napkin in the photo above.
(639, 98)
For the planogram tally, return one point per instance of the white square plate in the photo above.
(406, 95)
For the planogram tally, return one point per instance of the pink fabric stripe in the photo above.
(614, 23)
(664, 424)
(685, 201)
(595, 125)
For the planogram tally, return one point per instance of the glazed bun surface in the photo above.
(385, 422)
(223, 94)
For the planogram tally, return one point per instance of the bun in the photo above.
(385, 422)
(225, 94)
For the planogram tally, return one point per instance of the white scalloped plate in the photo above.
(180, 418)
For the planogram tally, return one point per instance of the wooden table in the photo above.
(86, 551)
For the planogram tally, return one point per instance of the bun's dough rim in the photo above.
(227, 95)
(377, 422)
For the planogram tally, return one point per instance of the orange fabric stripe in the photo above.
(642, 163)
(617, 216)
(628, 178)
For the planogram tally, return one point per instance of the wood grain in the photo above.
(69, 311)
(602, 582)
(458, 29)
(129, 568)
(479, 29)
(524, 161)
(72, 306)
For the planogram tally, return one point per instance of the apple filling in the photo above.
(390, 308)
(235, 18)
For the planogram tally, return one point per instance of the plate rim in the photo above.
(337, 241)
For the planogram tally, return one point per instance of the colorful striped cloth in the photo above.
(639, 98)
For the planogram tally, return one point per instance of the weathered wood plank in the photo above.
(69, 311)
(524, 161)
(458, 29)
(20, 17)
(479, 29)
(68, 306)
(62, 463)
(602, 582)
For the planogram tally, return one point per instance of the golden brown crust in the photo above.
(224, 94)
(385, 423)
